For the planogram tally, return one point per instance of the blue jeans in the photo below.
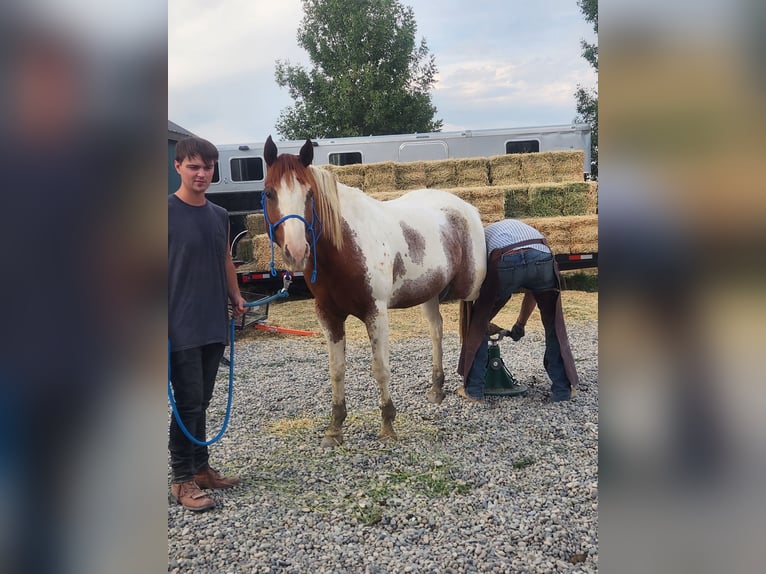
(532, 270)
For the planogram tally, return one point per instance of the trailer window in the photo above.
(523, 146)
(216, 174)
(246, 169)
(346, 158)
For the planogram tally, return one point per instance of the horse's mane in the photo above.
(326, 202)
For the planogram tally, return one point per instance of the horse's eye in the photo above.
(269, 194)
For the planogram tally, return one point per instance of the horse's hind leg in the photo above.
(377, 329)
(336, 342)
(435, 323)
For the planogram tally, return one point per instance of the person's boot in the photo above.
(211, 478)
(189, 495)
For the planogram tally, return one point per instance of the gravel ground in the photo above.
(508, 487)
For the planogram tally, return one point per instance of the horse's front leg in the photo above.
(335, 333)
(435, 323)
(377, 330)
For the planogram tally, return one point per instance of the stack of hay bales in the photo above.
(544, 167)
(544, 189)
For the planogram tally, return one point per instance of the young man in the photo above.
(519, 258)
(201, 281)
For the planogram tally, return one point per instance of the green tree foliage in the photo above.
(368, 76)
(587, 99)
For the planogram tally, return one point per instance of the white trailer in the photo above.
(241, 170)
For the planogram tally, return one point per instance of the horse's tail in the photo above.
(465, 318)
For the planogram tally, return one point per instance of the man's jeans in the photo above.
(533, 270)
(192, 374)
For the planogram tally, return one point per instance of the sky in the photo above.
(501, 63)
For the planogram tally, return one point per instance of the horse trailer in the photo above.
(240, 171)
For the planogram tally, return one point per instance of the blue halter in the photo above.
(309, 228)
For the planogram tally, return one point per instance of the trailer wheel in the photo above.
(235, 243)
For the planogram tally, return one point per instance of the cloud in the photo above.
(499, 82)
(256, 35)
(497, 67)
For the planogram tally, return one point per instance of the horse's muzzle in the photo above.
(296, 261)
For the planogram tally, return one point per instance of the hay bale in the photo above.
(551, 200)
(262, 253)
(441, 174)
(568, 234)
(516, 201)
(410, 175)
(536, 168)
(552, 166)
(256, 224)
(584, 230)
(379, 176)
(504, 169)
(488, 200)
(567, 165)
(350, 175)
(244, 250)
(545, 201)
(471, 172)
(555, 229)
(592, 198)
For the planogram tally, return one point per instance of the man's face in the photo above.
(195, 174)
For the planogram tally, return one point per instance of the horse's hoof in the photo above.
(391, 437)
(435, 397)
(331, 441)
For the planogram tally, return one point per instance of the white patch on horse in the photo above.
(292, 200)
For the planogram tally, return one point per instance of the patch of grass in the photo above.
(287, 427)
(433, 483)
(523, 462)
(373, 478)
(580, 281)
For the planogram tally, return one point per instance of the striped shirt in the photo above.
(510, 231)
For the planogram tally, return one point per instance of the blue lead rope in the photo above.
(281, 293)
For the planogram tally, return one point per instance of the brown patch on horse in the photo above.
(349, 269)
(416, 243)
(416, 291)
(456, 240)
(399, 268)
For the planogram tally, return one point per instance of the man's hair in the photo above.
(189, 147)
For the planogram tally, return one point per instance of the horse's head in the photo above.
(288, 204)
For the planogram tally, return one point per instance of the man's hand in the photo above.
(237, 306)
(517, 332)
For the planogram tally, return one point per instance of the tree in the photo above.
(368, 75)
(587, 99)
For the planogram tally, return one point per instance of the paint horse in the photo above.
(365, 256)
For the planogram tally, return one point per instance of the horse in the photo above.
(365, 256)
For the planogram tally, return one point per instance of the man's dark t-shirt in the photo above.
(197, 290)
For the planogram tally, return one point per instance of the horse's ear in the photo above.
(307, 153)
(269, 151)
